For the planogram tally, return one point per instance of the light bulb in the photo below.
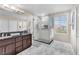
(12, 7)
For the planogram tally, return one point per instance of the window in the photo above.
(60, 24)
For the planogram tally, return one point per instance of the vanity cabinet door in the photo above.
(29, 40)
(26, 41)
(1, 50)
(24, 44)
(18, 49)
(7, 46)
(10, 49)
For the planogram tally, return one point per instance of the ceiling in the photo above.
(37, 9)
(45, 8)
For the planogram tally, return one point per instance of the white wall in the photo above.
(78, 36)
(78, 31)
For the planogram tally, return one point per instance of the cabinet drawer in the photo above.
(18, 39)
(24, 37)
(18, 43)
(18, 49)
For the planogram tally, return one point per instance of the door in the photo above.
(61, 27)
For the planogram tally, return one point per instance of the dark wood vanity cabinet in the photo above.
(14, 45)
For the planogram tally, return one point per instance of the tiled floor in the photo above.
(55, 48)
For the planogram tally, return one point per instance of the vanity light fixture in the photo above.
(17, 10)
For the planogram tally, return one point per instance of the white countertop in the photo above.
(5, 37)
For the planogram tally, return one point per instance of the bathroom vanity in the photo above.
(11, 45)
